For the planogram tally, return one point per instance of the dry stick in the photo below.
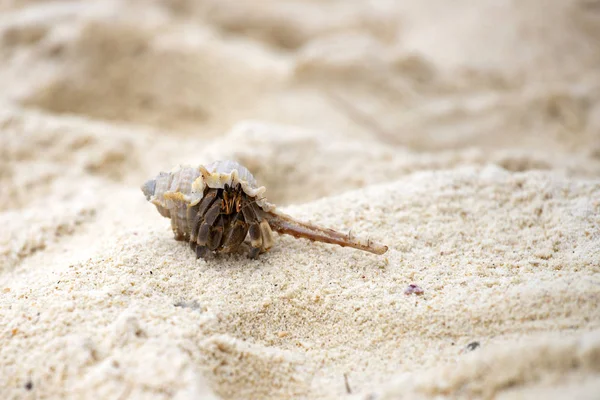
(348, 390)
(285, 224)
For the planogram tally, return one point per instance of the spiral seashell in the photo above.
(218, 206)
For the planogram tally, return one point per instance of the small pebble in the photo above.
(413, 289)
(472, 346)
(194, 305)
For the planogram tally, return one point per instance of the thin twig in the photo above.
(348, 390)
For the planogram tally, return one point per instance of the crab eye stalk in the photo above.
(148, 188)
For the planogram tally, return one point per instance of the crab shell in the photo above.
(174, 193)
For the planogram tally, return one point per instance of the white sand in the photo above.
(467, 138)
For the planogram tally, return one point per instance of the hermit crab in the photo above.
(215, 207)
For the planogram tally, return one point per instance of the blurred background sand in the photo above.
(465, 135)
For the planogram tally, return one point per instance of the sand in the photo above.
(465, 136)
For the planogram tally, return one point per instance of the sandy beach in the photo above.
(463, 135)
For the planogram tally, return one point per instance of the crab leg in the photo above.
(285, 224)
